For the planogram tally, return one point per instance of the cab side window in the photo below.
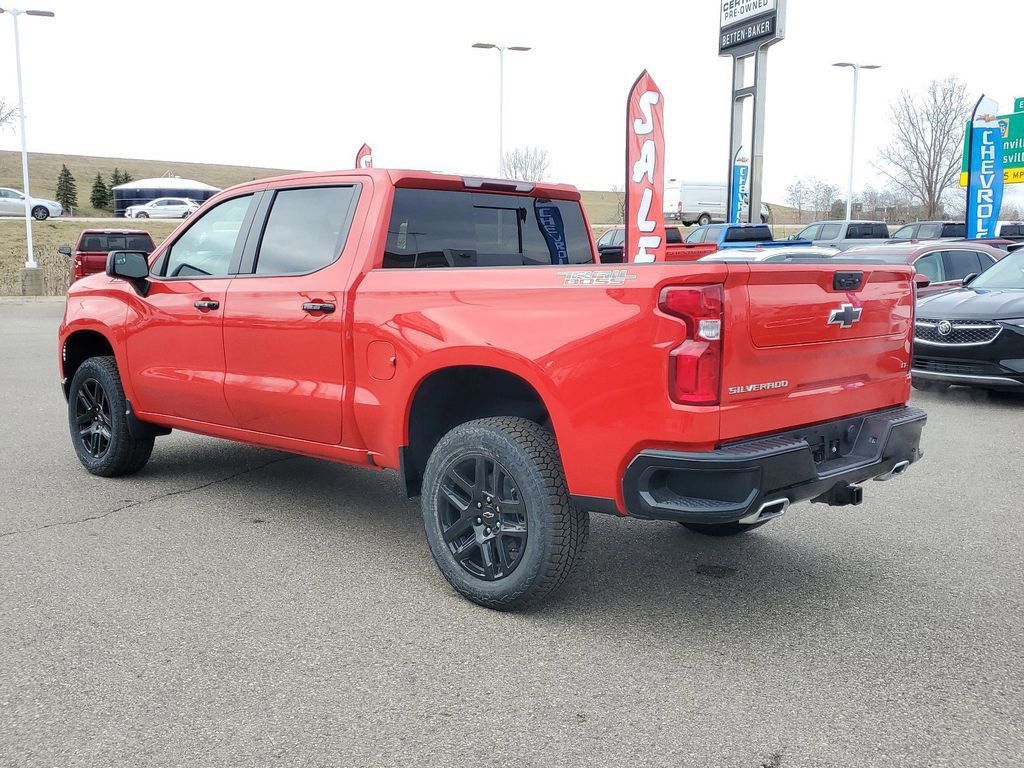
(697, 236)
(306, 230)
(206, 248)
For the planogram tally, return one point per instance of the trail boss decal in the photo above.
(745, 388)
(605, 277)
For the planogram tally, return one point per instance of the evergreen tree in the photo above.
(126, 177)
(100, 196)
(67, 190)
(115, 178)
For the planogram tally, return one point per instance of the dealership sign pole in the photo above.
(984, 169)
(747, 28)
(645, 172)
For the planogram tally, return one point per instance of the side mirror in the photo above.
(65, 249)
(970, 278)
(921, 281)
(131, 266)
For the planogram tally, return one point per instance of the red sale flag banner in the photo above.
(645, 172)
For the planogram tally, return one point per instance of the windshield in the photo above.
(1005, 274)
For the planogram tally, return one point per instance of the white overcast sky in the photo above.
(302, 84)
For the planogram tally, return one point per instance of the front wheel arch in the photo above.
(78, 347)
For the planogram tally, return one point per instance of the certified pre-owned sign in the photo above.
(748, 24)
(736, 11)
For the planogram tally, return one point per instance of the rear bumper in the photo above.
(969, 379)
(734, 482)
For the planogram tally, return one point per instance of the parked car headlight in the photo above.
(1017, 321)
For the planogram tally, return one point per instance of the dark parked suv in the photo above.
(973, 335)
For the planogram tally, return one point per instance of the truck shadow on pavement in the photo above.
(645, 573)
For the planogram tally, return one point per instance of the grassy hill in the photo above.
(44, 167)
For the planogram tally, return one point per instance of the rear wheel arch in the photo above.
(453, 395)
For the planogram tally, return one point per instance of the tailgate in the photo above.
(806, 343)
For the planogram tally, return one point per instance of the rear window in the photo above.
(673, 235)
(758, 234)
(954, 230)
(115, 242)
(1011, 230)
(437, 228)
(866, 231)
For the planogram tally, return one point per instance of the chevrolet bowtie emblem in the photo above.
(845, 316)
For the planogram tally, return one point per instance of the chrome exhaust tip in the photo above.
(768, 510)
(898, 469)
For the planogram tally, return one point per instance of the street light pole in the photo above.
(30, 262)
(501, 93)
(853, 127)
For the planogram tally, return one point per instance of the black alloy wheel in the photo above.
(92, 414)
(482, 517)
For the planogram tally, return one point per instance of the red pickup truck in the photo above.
(459, 331)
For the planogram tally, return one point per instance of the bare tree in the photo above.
(7, 113)
(923, 158)
(823, 197)
(526, 164)
(798, 195)
(620, 203)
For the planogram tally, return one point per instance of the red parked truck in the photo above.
(89, 256)
(459, 331)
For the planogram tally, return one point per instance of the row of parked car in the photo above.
(12, 203)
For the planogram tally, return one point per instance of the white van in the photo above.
(706, 202)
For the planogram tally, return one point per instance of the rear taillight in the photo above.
(695, 366)
(79, 268)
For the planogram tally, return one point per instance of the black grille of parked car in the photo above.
(957, 367)
(956, 332)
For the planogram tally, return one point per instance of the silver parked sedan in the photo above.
(12, 203)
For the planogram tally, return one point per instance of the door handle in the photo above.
(206, 304)
(318, 306)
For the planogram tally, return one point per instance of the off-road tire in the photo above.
(556, 530)
(124, 454)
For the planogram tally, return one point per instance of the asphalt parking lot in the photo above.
(232, 606)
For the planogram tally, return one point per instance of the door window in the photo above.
(606, 238)
(831, 232)
(930, 266)
(929, 231)
(306, 230)
(697, 236)
(620, 237)
(206, 248)
(959, 264)
(904, 233)
(810, 233)
(713, 233)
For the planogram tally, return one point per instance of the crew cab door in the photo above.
(175, 342)
(286, 310)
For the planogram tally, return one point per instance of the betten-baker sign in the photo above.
(747, 23)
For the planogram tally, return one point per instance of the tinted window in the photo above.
(959, 264)
(831, 231)
(697, 236)
(206, 247)
(98, 241)
(954, 230)
(306, 230)
(930, 266)
(809, 233)
(880, 230)
(1007, 273)
(904, 233)
(862, 232)
(436, 228)
(673, 235)
(929, 231)
(1011, 230)
(759, 234)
